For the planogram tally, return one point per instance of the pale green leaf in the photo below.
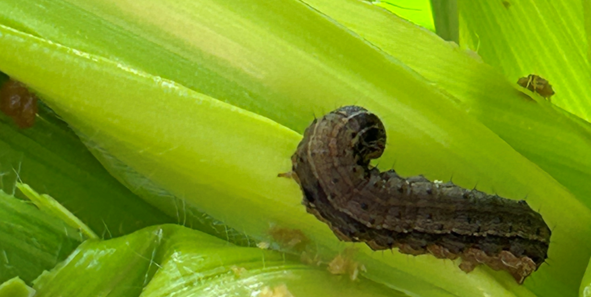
(525, 37)
(183, 129)
(171, 260)
(15, 287)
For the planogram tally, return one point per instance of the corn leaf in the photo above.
(206, 100)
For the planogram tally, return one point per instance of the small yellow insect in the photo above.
(536, 84)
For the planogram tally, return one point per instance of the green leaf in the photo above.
(15, 287)
(48, 205)
(30, 240)
(445, 15)
(417, 11)
(534, 37)
(50, 157)
(172, 260)
(212, 119)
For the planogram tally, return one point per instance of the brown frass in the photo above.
(413, 214)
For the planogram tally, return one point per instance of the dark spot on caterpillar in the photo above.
(18, 103)
(400, 189)
(413, 214)
(309, 196)
(536, 84)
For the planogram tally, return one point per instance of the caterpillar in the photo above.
(361, 204)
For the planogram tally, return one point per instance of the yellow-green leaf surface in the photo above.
(16, 287)
(170, 260)
(283, 63)
(417, 11)
(546, 38)
(50, 157)
(587, 18)
(31, 241)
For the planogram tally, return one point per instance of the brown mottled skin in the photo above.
(536, 84)
(18, 103)
(384, 210)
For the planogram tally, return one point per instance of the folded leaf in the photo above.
(223, 160)
(30, 240)
(172, 260)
